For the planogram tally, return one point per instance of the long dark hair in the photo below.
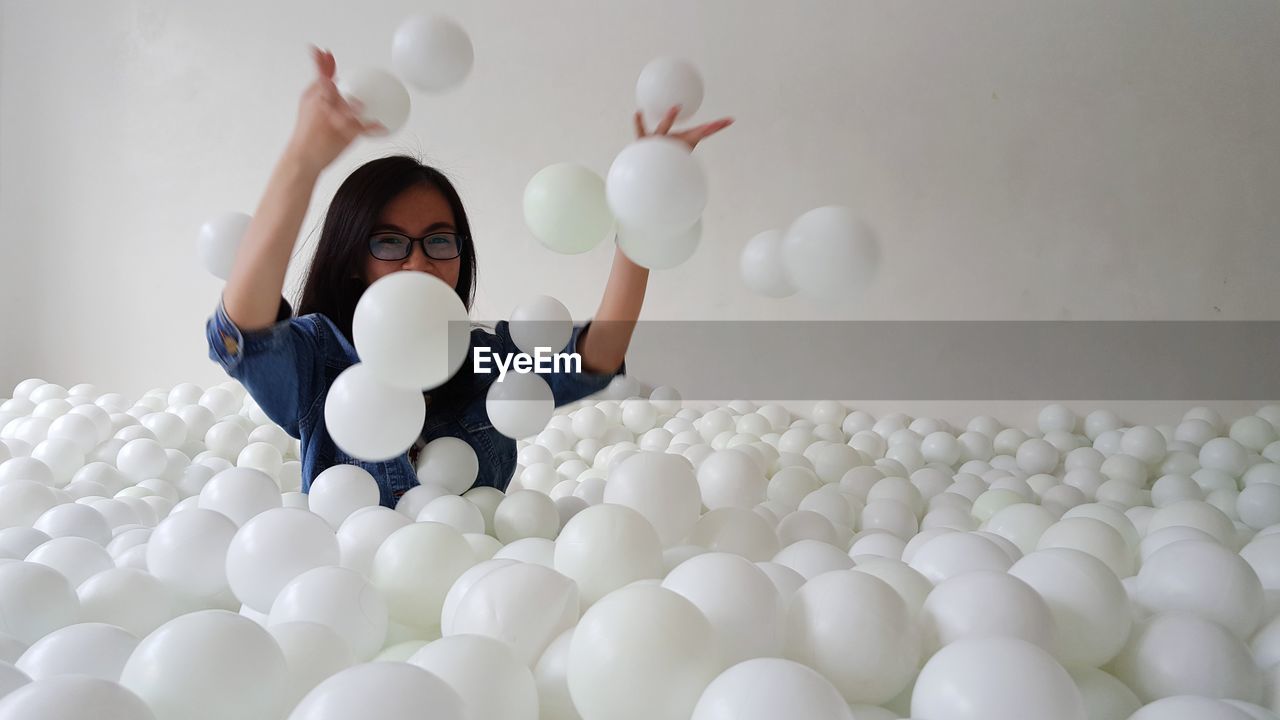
(335, 282)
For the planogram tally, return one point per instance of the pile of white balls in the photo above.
(650, 560)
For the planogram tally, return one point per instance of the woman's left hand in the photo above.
(690, 137)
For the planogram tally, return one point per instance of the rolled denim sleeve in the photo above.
(281, 366)
(567, 387)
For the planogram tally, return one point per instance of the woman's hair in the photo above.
(335, 279)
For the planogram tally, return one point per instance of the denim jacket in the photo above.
(289, 367)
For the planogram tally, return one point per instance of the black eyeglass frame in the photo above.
(458, 239)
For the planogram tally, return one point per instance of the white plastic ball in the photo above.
(240, 494)
(659, 249)
(656, 186)
(670, 650)
(770, 688)
(762, 268)
(219, 240)
(738, 599)
(340, 490)
(95, 649)
(520, 404)
(986, 603)
(368, 418)
(995, 678)
(1180, 653)
(456, 512)
(566, 210)
(272, 549)
(855, 630)
(660, 487)
(383, 97)
(414, 568)
(829, 253)
(541, 322)
(432, 53)
(525, 514)
(449, 462)
(340, 599)
(71, 697)
(312, 653)
(605, 547)
(1204, 578)
(185, 668)
(425, 358)
(665, 83)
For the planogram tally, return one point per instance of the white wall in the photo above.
(1020, 160)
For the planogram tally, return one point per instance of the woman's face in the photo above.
(416, 212)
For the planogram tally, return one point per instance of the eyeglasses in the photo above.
(397, 246)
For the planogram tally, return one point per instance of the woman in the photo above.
(390, 215)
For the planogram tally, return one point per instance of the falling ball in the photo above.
(369, 419)
(830, 254)
(656, 186)
(432, 53)
(666, 83)
(762, 267)
(412, 330)
(659, 250)
(218, 241)
(566, 210)
(384, 98)
(541, 322)
(520, 404)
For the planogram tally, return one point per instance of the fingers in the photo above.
(693, 136)
(670, 119)
(324, 62)
(347, 122)
(640, 131)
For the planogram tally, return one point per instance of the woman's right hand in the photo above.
(327, 123)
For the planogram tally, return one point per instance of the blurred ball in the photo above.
(218, 241)
(383, 96)
(830, 254)
(431, 53)
(666, 83)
